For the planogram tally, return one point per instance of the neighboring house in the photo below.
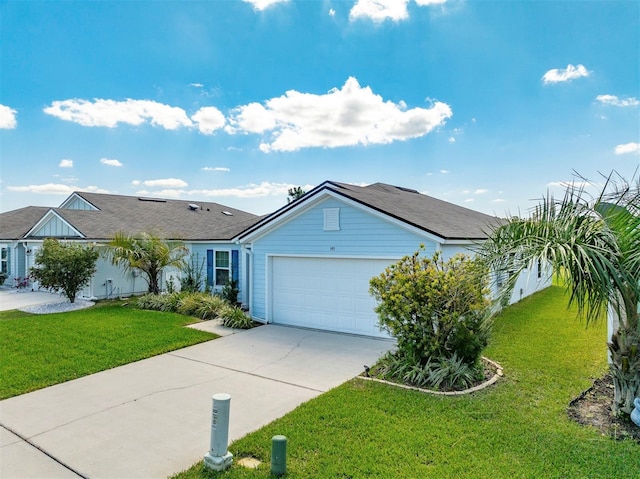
(310, 262)
(208, 229)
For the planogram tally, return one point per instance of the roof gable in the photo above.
(410, 208)
(51, 225)
(77, 202)
(97, 216)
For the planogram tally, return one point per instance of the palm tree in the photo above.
(593, 244)
(148, 253)
(294, 194)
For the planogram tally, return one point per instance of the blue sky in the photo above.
(486, 104)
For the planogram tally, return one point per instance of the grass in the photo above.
(37, 351)
(516, 429)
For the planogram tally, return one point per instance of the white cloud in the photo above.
(380, 10)
(209, 119)
(215, 168)
(165, 183)
(66, 163)
(499, 200)
(262, 4)
(332, 12)
(444, 172)
(136, 182)
(250, 191)
(353, 115)
(196, 85)
(7, 118)
(110, 162)
(627, 148)
(452, 139)
(480, 191)
(615, 101)
(109, 113)
(54, 189)
(166, 193)
(469, 200)
(558, 75)
(570, 184)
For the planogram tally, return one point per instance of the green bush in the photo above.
(436, 310)
(230, 292)
(68, 266)
(234, 317)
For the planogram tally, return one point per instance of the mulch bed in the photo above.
(593, 408)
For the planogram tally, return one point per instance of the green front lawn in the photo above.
(515, 429)
(41, 350)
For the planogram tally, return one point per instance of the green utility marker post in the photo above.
(278, 455)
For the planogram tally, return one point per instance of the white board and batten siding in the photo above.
(311, 272)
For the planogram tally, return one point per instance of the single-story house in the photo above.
(208, 229)
(308, 264)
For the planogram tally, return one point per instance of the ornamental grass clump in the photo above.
(439, 313)
(234, 317)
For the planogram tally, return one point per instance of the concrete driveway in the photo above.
(152, 418)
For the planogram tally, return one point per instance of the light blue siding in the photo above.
(199, 251)
(55, 228)
(360, 235)
(78, 204)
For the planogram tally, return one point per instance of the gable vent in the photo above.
(331, 219)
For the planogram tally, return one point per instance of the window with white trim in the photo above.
(4, 260)
(223, 267)
(218, 267)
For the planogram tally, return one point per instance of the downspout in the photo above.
(249, 250)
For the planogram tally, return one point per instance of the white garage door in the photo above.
(326, 293)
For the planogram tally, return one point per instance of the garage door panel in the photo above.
(326, 293)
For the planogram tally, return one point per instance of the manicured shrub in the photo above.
(438, 311)
(65, 266)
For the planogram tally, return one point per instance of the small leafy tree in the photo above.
(148, 253)
(65, 266)
(436, 309)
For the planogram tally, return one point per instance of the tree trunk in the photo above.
(625, 357)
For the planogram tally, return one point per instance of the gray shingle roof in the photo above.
(130, 214)
(444, 219)
(16, 223)
(440, 218)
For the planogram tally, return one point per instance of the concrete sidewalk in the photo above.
(152, 418)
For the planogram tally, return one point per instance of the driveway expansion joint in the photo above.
(250, 373)
(43, 451)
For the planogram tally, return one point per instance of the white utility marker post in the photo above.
(219, 458)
